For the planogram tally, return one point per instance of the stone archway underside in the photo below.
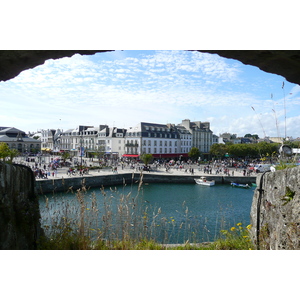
(281, 62)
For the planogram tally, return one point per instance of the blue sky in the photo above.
(123, 88)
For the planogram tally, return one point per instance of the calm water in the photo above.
(170, 213)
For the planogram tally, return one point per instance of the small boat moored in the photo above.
(203, 181)
(239, 185)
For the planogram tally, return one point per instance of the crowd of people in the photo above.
(217, 167)
(44, 172)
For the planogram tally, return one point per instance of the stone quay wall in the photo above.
(19, 208)
(44, 186)
(275, 211)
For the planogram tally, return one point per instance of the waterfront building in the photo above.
(80, 141)
(202, 136)
(111, 141)
(50, 139)
(66, 141)
(160, 140)
(185, 138)
(73, 140)
(19, 140)
(88, 140)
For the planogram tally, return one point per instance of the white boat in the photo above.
(203, 181)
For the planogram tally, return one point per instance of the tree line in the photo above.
(261, 149)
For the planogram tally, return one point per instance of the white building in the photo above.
(112, 141)
(160, 140)
(50, 139)
(109, 141)
(185, 137)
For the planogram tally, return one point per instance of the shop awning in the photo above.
(130, 155)
(170, 155)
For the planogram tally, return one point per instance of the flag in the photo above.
(81, 151)
(283, 84)
(252, 108)
(271, 96)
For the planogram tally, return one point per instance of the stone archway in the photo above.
(281, 62)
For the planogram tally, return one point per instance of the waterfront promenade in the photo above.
(61, 181)
(62, 173)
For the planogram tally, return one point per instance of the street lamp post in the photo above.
(81, 150)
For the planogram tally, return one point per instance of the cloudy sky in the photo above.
(123, 88)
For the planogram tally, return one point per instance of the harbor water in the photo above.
(167, 213)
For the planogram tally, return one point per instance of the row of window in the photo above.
(150, 134)
(149, 143)
(20, 146)
(157, 128)
(155, 150)
(160, 143)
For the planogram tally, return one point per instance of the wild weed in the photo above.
(124, 221)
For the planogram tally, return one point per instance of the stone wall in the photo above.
(19, 208)
(275, 211)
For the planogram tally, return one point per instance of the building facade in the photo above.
(50, 139)
(160, 140)
(88, 139)
(19, 140)
(202, 136)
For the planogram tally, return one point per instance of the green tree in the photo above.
(146, 158)
(266, 149)
(12, 154)
(254, 136)
(65, 156)
(218, 150)
(99, 153)
(6, 152)
(242, 150)
(294, 144)
(262, 149)
(194, 153)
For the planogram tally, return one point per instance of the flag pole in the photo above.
(284, 111)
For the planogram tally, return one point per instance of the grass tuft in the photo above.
(124, 224)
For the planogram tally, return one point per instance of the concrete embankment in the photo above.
(64, 184)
